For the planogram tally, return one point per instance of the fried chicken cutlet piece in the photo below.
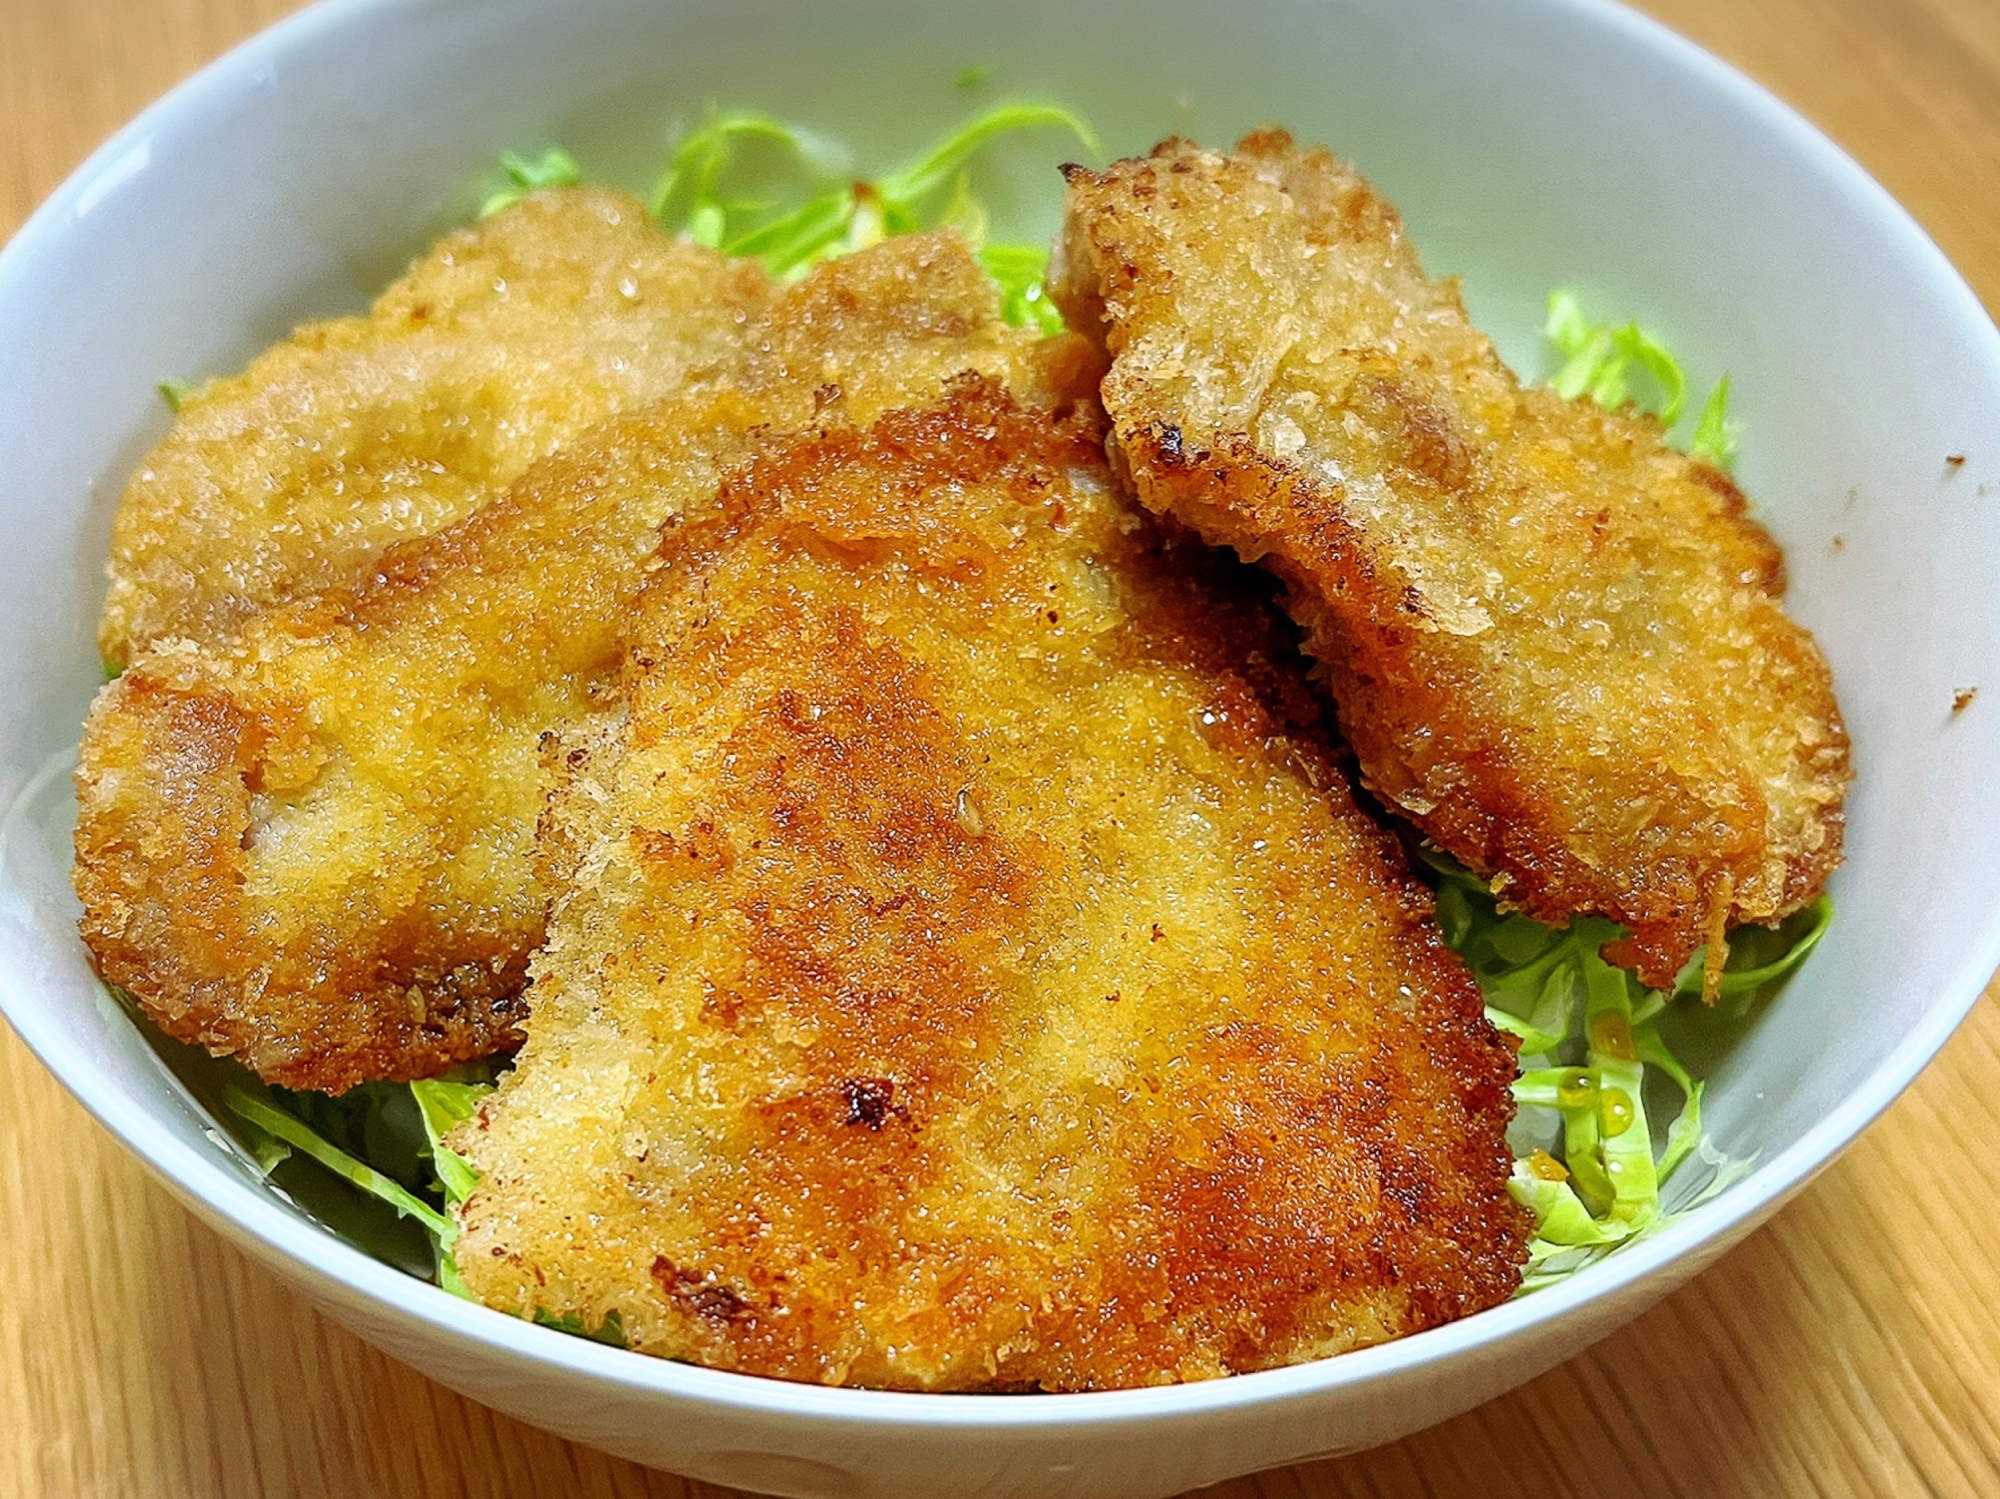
(969, 969)
(309, 846)
(1555, 643)
(504, 342)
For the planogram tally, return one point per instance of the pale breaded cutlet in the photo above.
(499, 345)
(1556, 644)
(308, 845)
(968, 968)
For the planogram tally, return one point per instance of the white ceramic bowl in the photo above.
(1536, 143)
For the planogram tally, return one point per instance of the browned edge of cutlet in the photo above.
(1366, 628)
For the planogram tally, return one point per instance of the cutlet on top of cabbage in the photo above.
(1609, 1141)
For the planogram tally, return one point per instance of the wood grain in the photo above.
(1851, 1348)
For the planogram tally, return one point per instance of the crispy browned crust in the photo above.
(1555, 643)
(309, 845)
(503, 342)
(969, 969)
(310, 848)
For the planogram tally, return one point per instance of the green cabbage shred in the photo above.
(555, 167)
(834, 213)
(440, 1104)
(280, 1125)
(1616, 364)
(1022, 273)
(273, 1122)
(1589, 1163)
(821, 209)
(1716, 436)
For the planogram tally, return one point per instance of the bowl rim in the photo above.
(336, 1271)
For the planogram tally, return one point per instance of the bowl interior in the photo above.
(1529, 146)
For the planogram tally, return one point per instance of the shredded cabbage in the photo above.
(270, 1131)
(1589, 1164)
(1603, 360)
(833, 213)
(280, 1125)
(1716, 436)
(555, 167)
(824, 210)
(687, 192)
(395, 1125)
(442, 1103)
(369, 1165)
(1022, 272)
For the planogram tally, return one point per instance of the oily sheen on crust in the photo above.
(1556, 644)
(968, 968)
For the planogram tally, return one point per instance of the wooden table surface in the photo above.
(1851, 1348)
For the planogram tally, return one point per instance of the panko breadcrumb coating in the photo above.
(502, 343)
(1555, 643)
(969, 969)
(308, 846)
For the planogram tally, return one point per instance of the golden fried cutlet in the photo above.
(968, 968)
(501, 344)
(1555, 643)
(308, 845)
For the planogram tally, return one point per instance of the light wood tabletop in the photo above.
(1851, 1348)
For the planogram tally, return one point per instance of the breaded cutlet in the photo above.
(968, 968)
(503, 342)
(308, 845)
(1556, 644)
